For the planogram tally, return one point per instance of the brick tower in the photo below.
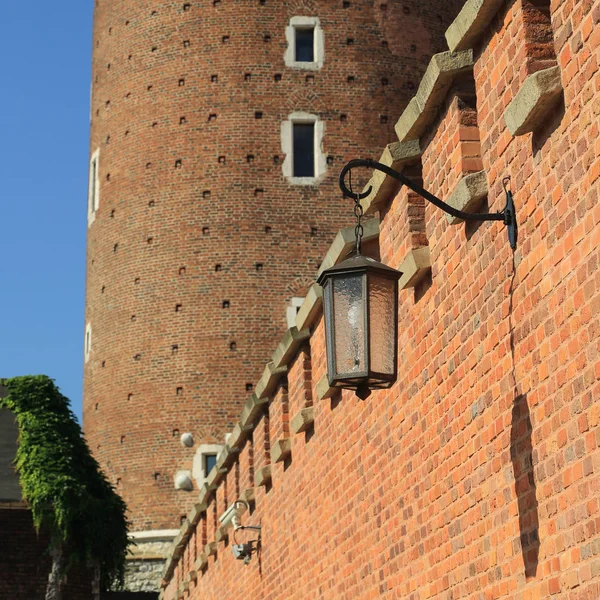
(218, 130)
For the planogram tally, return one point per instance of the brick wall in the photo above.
(25, 564)
(477, 475)
(199, 241)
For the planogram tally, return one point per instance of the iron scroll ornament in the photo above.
(507, 216)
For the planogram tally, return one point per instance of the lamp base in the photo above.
(363, 392)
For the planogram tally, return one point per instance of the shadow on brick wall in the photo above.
(521, 454)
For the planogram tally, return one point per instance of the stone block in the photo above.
(345, 241)
(205, 494)
(471, 22)
(414, 267)
(288, 347)
(262, 476)
(214, 478)
(268, 382)
(210, 549)
(221, 534)
(311, 308)
(201, 562)
(434, 86)
(252, 409)
(281, 449)
(383, 187)
(247, 495)
(238, 436)
(196, 512)
(303, 420)
(467, 194)
(324, 390)
(537, 96)
(226, 458)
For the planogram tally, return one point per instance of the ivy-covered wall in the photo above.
(74, 510)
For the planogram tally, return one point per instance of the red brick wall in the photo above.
(477, 475)
(25, 564)
(167, 358)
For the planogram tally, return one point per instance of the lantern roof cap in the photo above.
(357, 263)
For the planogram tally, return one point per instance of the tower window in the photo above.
(88, 342)
(305, 44)
(304, 149)
(210, 460)
(301, 140)
(94, 187)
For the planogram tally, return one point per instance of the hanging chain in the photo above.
(358, 213)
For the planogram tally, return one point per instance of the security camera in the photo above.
(242, 552)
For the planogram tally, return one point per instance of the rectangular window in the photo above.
(94, 177)
(210, 460)
(304, 149)
(305, 45)
(94, 187)
(88, 342)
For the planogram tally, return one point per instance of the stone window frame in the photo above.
(319, 37)
(93, 202)
(199, 461)
(287, 146)
(87, 344)
(292, 310)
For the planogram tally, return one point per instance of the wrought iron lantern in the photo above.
(361, 324)
(361, 296)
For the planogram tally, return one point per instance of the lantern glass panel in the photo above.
(382, 329)
(349, 324)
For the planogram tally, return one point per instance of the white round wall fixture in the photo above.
(187, 440)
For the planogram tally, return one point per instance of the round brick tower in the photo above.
(203, 221)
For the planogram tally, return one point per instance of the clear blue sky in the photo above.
(45, 50)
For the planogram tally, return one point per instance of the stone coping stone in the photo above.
(471, 23)
(226, 458)
(268, 382)
(281, 450)
(414, 267)
(221, 534)
(384, 188)
(537, 96)
(214, 478)
(252, 409)
(205, 494)
(311, 307)
(303, 420)
(196, 513)
(345, 240)
(201, 562)
(210, 549)
(248, 495)
(239, 434)
(434, 86)
(467, 194)
(324, 390)
(262, 476)
(288, 347)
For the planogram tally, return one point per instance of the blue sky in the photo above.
(44, 129)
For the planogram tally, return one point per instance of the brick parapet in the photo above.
(477, 473)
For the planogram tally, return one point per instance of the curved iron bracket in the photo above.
(508, 215)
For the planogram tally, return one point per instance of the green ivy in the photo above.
(70, 497)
